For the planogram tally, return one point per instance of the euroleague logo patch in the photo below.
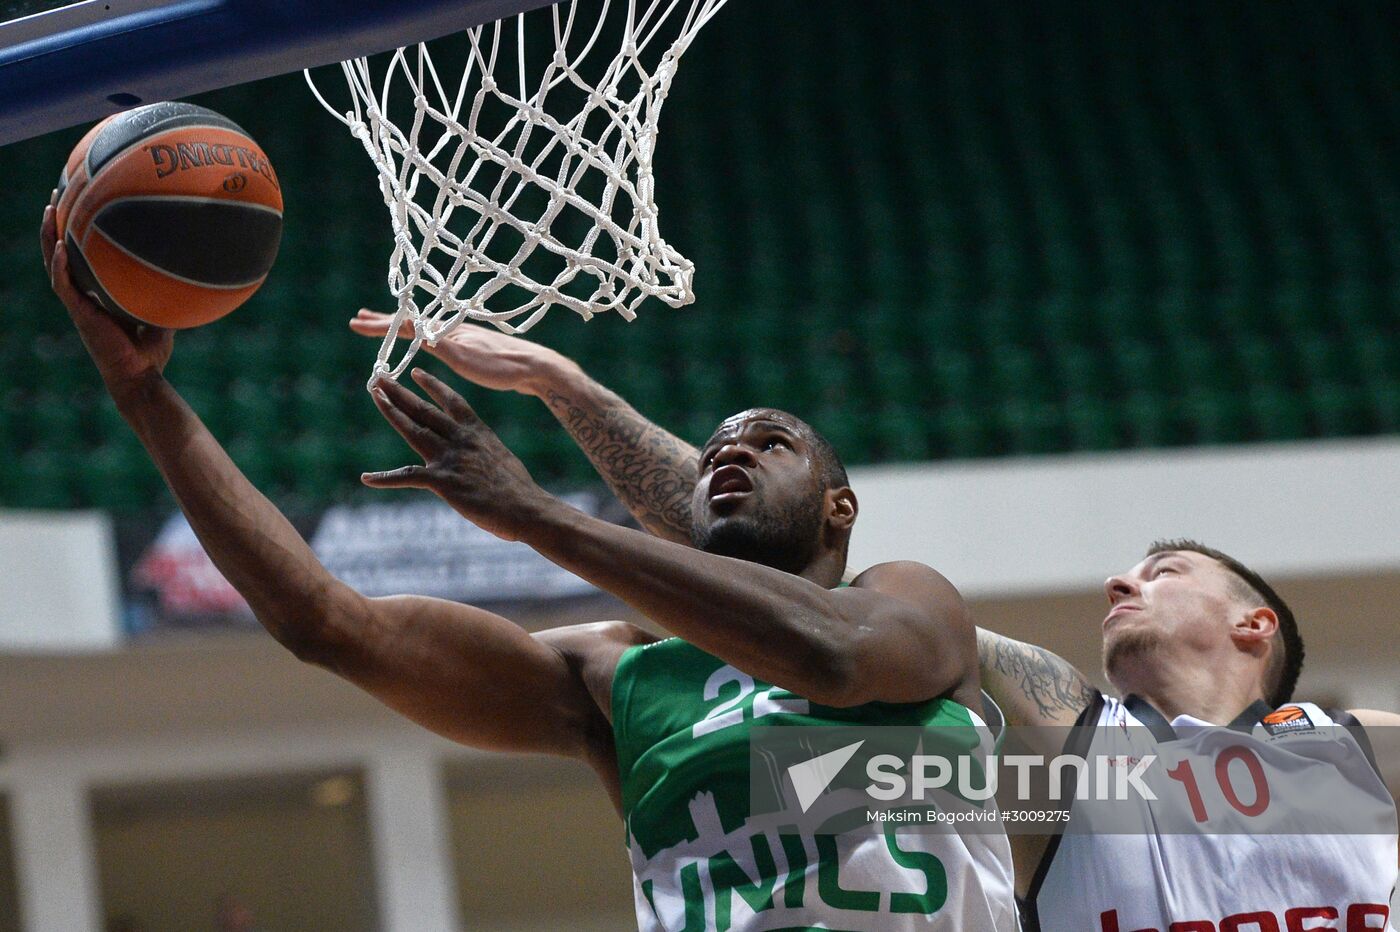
(1286, 721)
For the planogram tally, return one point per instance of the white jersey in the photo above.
(1232, 860)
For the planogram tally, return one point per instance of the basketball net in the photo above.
(525, 183)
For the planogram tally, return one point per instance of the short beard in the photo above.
(1127, 649)
(786, 541)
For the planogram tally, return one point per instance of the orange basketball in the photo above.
(171, 214)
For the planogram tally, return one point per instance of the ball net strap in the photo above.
(477, 173)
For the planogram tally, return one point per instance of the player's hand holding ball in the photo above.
(166, 216)
(126, 355)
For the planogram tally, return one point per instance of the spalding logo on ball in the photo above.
(171, 214)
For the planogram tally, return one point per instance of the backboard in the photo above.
(65, 63)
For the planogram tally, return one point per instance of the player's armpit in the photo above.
(474, 676)
(1032, 685)
(1383, 733)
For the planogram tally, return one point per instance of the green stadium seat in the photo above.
(317, 406)
(902, 433)
(1081, 373)
(1276, 413)
(1372, 353)
(1092, 424)
(1139, 366)
(314, 464)
(1033, 426)
(956, 377)
(1338, 410)
(118, 476)
(1019, 373)
(1198, 364)
(48, 478)
(1384, 403)
(1150, 420)
(1215, 415)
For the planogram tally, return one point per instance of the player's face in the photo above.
(1177, 598)
(757, 496)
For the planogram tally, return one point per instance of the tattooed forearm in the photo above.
(651, 471)
(1032, 680)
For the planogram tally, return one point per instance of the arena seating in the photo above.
(988, 247)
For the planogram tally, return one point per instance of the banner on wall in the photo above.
(417, 547)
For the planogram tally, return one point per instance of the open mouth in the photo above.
(729, 482)
(1119, 610)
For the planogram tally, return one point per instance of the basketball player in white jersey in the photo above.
(764, 633)
(1192, 639)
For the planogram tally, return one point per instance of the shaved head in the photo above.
(831, 472)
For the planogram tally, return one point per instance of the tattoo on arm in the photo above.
(650, 470)
(1051, 686)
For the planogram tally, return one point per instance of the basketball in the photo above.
(171, 215)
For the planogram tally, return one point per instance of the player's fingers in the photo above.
(405, 477)
(451, 402)
(59, 278)
(48, 235)
(369, 323)
(150, 336)
(419, 411)
(63, 286)
(423, 441)
(374, 324)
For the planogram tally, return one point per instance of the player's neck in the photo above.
(1210, 685)
(1210, 698)
(826, 570)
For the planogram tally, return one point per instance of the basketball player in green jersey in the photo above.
(763, 633)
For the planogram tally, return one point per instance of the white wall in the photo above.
(1064, 523)
(999, 527)
(58, 581)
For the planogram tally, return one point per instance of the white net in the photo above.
(527, 182)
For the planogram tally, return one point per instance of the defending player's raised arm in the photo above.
(900, 633)
(1032, 685)
(458, 670)
(650, 470)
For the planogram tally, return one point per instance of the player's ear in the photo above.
(841, 507)
(1255, 625)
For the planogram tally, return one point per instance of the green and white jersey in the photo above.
(700, 862)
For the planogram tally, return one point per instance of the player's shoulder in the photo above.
(901, 573)
(911, 581)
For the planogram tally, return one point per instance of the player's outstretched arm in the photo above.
(899, 633)
(1032, 685)
(650, 470)
(458, 670)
